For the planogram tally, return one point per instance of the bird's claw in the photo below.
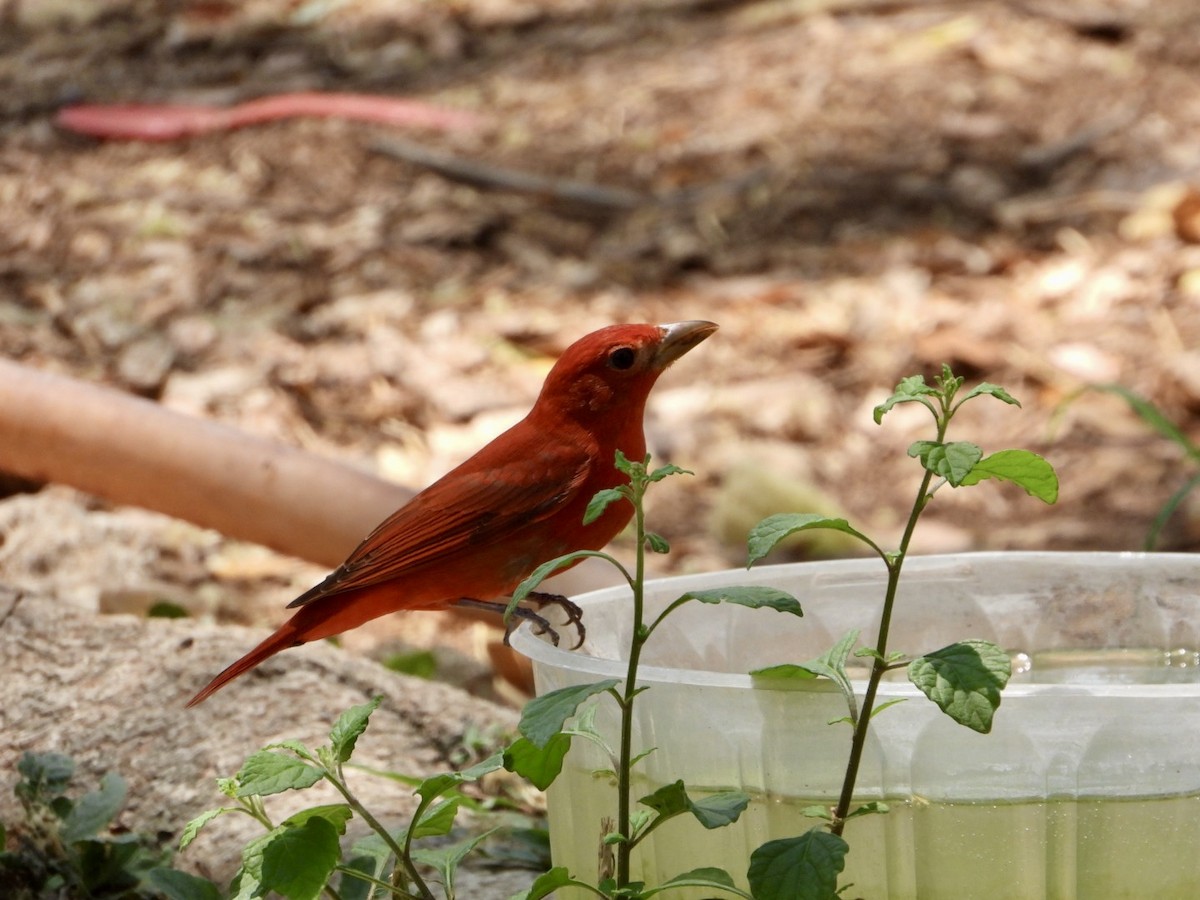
(573, 612)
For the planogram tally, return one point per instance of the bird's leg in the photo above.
(540, 624)
(573, 613)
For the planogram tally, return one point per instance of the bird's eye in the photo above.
(622, 358)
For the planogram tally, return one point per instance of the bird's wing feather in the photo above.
(471, 506)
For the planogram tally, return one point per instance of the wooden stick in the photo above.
(131, 450)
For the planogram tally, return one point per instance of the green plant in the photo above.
(1158, 421)
(301, 857)
(546, 737)
(61, 848)
(964, 679)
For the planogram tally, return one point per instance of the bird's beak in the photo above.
(678, 338)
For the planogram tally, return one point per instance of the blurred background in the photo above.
(854, 191)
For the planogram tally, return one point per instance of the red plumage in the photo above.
(483, 527)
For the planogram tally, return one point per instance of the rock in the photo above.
(110, 692)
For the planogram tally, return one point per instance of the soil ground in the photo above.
(855, 191)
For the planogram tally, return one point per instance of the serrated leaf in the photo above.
(657, 543)
(719, 810)
(831, 664)
(667, 471)
(668, 800)
(44, 774)
(541, 765)
(543, 717)
(1021, 467)
(798, 868)
(626, 466)
(92, 812)
(965, 680)
(714, 811)
(266, 772)
(336, 814)
(908, 390)
(546, 884)
(817, 812)
(952, 461)
(992, 390)
(600, 502)
(705, 877)
(298, 861)
(773, 529)
(872, 808)
(436, 785)
(447, 859)
(438, 820)
(295, 746)
(173, 884)
(752, 596)
(192, 828)
(349, 728)
(544, 571)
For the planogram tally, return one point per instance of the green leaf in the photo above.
(94, 811)
(667, 471)
(952, 461)
(909, 390)
(773, 529)
(547, 884)
(295, 746)
(336, 814)
(543, 717)
(447, 859)
(752, 596)
(992, 390)
(44, 775)
(719, 810)
(873, 808)
(626, 466)
(175, 885)
(436, 785)
(669, 800)
(600, 502)
(657, 543)
(1021, 467)
(266, 773)
(540, 765)
(545, 570)
(192, 828)
(964, 680)
(437, 820)
(706, 877)
(831, 664)
(298, 861)
(798, 868)
(714, 811)
(349, 727)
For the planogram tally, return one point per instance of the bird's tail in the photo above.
(315, 621)
(286, 636)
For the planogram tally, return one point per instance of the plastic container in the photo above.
(1088, 787)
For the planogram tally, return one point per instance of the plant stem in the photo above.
(403, 860)
(880, 666)
(637, 640)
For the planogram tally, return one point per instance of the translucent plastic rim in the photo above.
(543, 653)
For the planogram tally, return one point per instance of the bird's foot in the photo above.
(541, 625)
(572, 611)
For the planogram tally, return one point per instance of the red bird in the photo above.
(476, 533)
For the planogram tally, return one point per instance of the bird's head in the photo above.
(613, 369)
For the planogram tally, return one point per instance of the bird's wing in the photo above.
(474, 505)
